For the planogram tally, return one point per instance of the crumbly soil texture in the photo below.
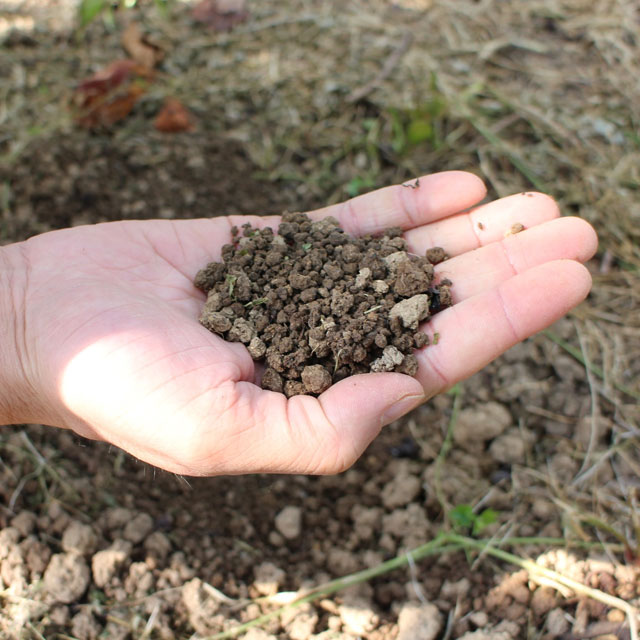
(318, 305)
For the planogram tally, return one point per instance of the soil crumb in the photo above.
(318, 305)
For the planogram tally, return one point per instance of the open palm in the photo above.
(112, 348)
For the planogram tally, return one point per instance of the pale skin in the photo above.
(99, 330)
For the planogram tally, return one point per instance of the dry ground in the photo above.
(307, 103)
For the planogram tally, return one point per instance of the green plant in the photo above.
(421, 125)
(465, 520)
(89, 10)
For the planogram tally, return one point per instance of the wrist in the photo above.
(16, 393)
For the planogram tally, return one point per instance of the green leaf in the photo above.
(462, 516)
(483, 520)
(89, 9)
(419, 130)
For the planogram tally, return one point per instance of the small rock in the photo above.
(316, 378)
(59, 615)
(301, 626)
(66, 578)
(509, 448)
(543, 600)
(84, 626)
(215, 321)
(117, 517)
(358, 616)
(363, 277)
(37, 557)
(391, 357)
(453, 591)
(402, 488)
(272, 380)
(436, 255)
(140, 580)
(341, 562)
(411, 311)
(257, 348)
(24, 522)
(289, 522)
(411, 279)
(80, 538)
(479, 618)
(557, 622)
(200, 606)
(366, 520)
(106, 563)
(241, 331)
(394, 259)
(139, 528)
(9, 536)
(158, 544)
(268, 578)
(480, 423)
(422, 621)
(380, 287)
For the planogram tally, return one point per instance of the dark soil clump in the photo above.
(318, 305)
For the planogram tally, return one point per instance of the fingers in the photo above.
(477, 330)
(480, 270)
(484, 224)
(415, 203)
(192, 243)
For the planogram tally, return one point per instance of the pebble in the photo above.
(509, 448)
(358, 616)
(139, 528)
(480, 423)
(557, 622)
(66, 578)
(268, 578)
(289, 522)
(422, 621)
(24, 522)
(402, 488)
(106, 563)
(80, 538)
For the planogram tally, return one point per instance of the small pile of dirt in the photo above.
(319, 305)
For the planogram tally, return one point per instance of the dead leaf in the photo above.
(139, 47)
(221, 15)
(110, 94)
(174, 117)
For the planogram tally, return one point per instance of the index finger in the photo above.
(408, 205)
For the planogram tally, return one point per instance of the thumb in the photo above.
(328, 434)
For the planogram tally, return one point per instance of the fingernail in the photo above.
(402, 406)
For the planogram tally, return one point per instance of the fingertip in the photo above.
(587, 239)
(575, 279)
(450, 192)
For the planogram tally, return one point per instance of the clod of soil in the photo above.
(318, 305)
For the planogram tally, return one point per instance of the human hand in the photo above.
(99, 329)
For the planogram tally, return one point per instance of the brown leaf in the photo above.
(220, 15)
(139, 47)
(110, 94)
(174, 117)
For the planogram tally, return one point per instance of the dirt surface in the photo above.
(305, 104)
(318, 305)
